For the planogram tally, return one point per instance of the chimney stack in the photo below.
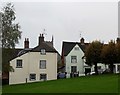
(26, 43)
(82, 41)
(41, 38)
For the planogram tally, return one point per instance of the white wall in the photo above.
(80, 64)
(31, 62)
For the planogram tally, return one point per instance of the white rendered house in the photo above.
(72, 54)
(32, 65)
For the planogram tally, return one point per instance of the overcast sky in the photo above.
(67, 20)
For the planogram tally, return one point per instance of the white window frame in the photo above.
(43, 78)
(73, 59)
(42, 52)
(32, 79)
(19, 63)
(42, 64)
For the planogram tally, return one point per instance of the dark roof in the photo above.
(45, 46)
(38, 48)
(68, 46)
(9, 54)
(23, 51)
(49, 43)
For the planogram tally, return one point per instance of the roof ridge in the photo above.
(49, 46)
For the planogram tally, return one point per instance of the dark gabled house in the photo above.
(73, 57)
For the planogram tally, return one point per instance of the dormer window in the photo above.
(43, 51)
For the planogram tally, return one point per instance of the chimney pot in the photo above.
(26, 43)
(41, 39)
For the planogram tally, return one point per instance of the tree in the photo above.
(10, 33)
(93, 53)
(6, 57)
(109, 54)
(10, 30)
(118, 51)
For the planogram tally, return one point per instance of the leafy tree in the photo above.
(109, 54)
(93, 53)
(10, 30)
(10, 34)
(103, 54)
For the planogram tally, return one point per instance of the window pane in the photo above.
(43, 51)
(19, 64)
(42, 64)
(76, 48)
(32, 76)
(43, 76)
(73, 59)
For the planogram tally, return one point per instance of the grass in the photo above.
(88, 84)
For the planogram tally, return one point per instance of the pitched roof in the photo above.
(49, 43)
(45, 46)
(38, 48)
(9, 54)
(23, 51)
(68, 46)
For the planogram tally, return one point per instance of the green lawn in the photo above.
(88, 84)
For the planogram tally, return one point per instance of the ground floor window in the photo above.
(73, 68)
(32, 77)
(43, 76)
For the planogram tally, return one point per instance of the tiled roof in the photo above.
(9, 54)
(45, 46)
(68, 46)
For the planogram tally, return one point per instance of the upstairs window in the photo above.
(19, 64)
(76, 48)
(32, 77)
(42, 64)
(73, 59)
(43, 52)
